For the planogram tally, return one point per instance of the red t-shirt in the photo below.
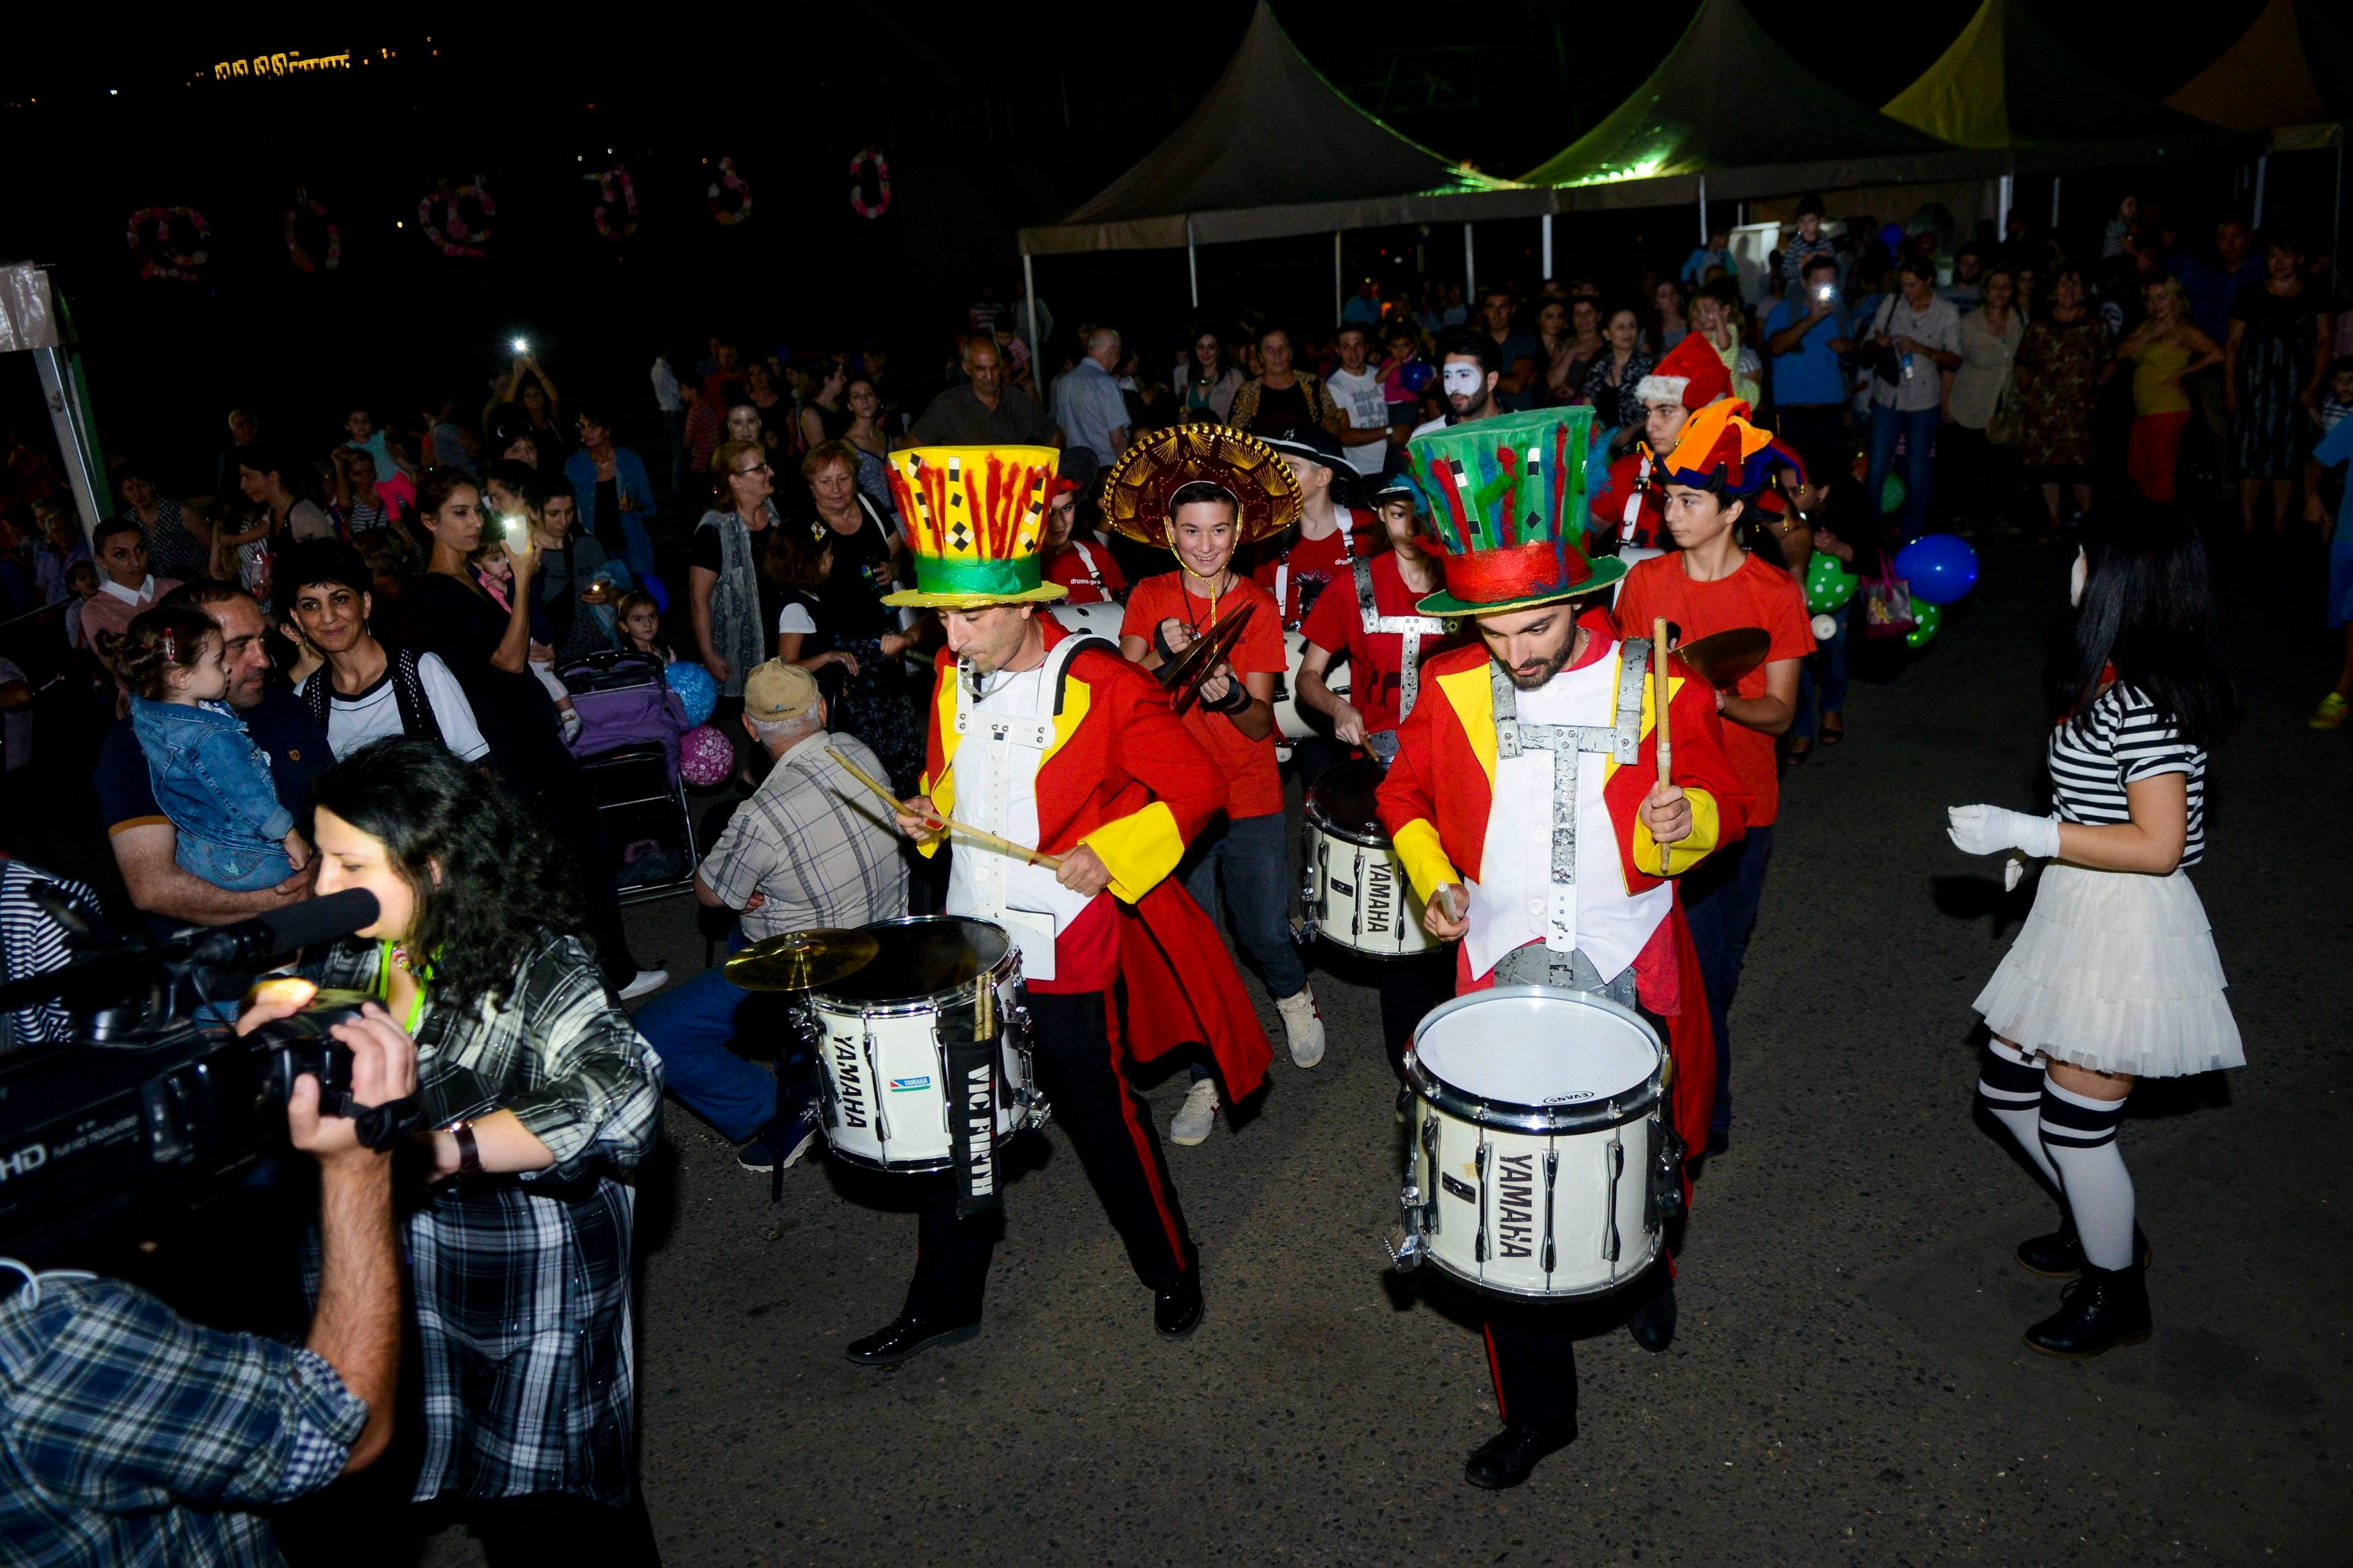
(1609, 508)
(1375, 659)
(1313, 565)
(1250, 765)
(1757, 594)
(1069, 568)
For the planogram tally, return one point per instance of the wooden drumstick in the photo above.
(1051, 862)
(1659, 673)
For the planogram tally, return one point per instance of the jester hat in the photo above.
(1718, 441)
(974, 515)
(1508, 498)
(1267, 498)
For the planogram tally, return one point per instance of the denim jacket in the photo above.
(213, 783)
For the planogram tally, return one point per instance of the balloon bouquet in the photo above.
(1939, 569)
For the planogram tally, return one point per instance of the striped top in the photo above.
(2122, 738)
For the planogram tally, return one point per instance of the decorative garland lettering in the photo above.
(857, 201)
(729, 181)
(295, 250)
(457, 234)
(613, 186)
(159, 258)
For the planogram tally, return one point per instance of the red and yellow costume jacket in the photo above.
(1435, 802)
(1126, 779)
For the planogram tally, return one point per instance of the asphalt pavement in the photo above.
(1847, 1383)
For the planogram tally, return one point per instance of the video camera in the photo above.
(155, 1106)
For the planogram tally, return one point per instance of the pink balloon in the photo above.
(704, 757)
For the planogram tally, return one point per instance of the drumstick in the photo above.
(1659, 673)
(1051, 862)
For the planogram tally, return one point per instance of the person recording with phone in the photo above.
(135, 1435)
(1807, 332)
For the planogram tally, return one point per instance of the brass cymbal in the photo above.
(1723, 658)
(801, 960)
(1183, 677)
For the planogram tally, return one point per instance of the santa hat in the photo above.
(1719, 440)
(1691, 373)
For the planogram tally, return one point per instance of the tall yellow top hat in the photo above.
(974, 515)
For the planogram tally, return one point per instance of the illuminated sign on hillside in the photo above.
(281, 65)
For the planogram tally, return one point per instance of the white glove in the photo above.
(1991, 829)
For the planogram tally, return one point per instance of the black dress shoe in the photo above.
(2060, 1255)
(1510, 1457)
(906, 1336)
(1653, 1320)
(2103, 1309)
(1177, 1313)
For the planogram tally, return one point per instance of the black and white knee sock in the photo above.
(2080, 1135)
(2010, 1087)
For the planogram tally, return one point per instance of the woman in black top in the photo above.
(869, 691)
(825, 417)
(489, 650)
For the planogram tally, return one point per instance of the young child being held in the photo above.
(495, 571)
(640, 622)
(209, 777)
(81, 582)
(2339, 401)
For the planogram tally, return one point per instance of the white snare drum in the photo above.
(1538, 1163)
(885, 1080)
(1357, 895)
(1100, 620)
(1293, 721)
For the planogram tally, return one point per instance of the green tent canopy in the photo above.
(1727, 97)
(2291, 67)
(2007, 82)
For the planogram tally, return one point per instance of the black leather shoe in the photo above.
(1177, 1313)
(1510, 1457)
(908, 1336)
(2060, 1255)
(2103, 1309)
(1653, 1320)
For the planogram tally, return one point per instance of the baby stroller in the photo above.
(630, 722)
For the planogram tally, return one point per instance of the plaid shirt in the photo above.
(130, 1436)
(522, 1283)
(816, 841)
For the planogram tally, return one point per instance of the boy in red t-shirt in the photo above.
(1402, 576)
(1709, 584)
(1082, 565)
(1234, 718)
(1320, 553)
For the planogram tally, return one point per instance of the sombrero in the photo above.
(1136, 496)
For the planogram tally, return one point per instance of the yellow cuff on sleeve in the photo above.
(1140, 849)
(1425, 862)
(1707, 827)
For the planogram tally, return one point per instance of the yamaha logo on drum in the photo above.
(849, 1086)
(1515, 1190)
(1380, 896)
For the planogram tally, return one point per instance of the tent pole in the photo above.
(1339, 288)
(2336, 215)
(1192, 264)
(2263, 167)
(1548, 238)
(1029, 288)
(2002, 220)
(1702, 211)
(1470, 267)
(2054, 201)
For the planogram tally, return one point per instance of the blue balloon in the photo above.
(1940, 568)
(1415, 375)
(1891, 234)
(696, 690)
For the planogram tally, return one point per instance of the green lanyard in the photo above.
(383, 985)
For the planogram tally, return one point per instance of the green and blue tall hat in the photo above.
(1507, 496)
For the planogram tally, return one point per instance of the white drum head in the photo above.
(1524, 1045)
(1100, 620)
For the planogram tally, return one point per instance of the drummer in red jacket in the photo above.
(1056, 743)
(1480, 786)
(1626, 514)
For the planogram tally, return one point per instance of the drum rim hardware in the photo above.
(1630, 1104)
(903, 1007)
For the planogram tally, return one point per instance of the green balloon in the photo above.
(1891, 494)
(1828, 585)
(1925, 620)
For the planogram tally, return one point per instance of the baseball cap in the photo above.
(777, 691)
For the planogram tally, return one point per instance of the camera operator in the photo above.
(136, 1437)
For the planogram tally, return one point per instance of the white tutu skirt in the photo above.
(2117, 973)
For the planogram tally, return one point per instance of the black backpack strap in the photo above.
(314, 695)
(416, 718)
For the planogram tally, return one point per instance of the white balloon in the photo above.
(1825, 627)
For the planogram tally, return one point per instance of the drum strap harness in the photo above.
(1412, 629)
(1570, 743)
(1087, 560)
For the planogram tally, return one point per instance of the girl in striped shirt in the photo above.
(2113, 977)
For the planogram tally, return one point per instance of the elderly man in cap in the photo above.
(809, 848)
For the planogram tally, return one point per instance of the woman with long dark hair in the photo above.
(519, 1245)
(2113, 977)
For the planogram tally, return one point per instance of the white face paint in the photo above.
(1464, 379)
(2076, 574)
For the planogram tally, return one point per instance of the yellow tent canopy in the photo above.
(2007, 82)
(2291, 67)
